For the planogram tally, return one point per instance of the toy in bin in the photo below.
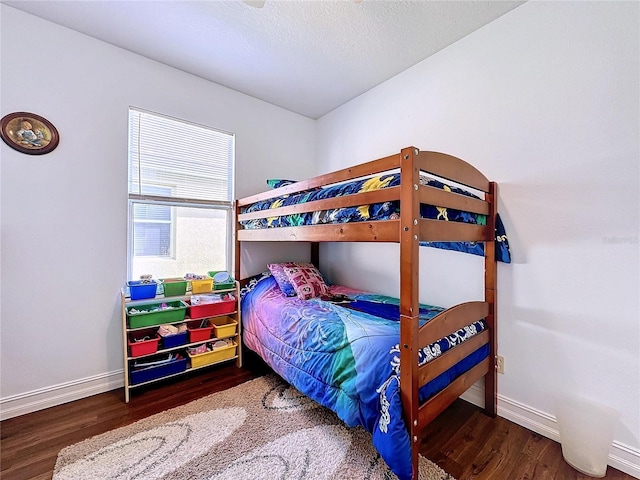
(208, 298)
(199, 283)
(222, 280)
(143, 343)
(173, 335)
(211, 304)
(216, 351)
(199, 330)
(156, 313)
(152, 368)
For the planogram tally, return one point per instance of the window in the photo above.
(180, 197)
(152, 226)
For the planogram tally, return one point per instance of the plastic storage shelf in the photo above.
(146, 360)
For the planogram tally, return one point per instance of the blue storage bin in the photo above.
(175, 340)
(158, 371)
(142, 291)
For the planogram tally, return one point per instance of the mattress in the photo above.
(379, 211)
(346, 356)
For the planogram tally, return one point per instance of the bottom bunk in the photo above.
(342, 350)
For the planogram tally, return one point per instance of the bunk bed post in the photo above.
(315, 254)
(409, 307)
(490, 296)
(236, 212)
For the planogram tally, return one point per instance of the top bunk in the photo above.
(435, 197)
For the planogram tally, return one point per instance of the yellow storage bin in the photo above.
(215, 356)
(202, 286)
(223, 327)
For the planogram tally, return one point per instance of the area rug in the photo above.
(263, 429)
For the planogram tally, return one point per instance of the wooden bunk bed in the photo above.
(409, 230)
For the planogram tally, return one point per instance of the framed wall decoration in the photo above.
(29, 133)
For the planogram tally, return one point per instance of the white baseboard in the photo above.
(40, 399)
(621, 456)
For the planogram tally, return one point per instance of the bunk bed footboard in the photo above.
(478, 349)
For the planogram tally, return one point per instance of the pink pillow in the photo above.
(277, 270)
(307, 281)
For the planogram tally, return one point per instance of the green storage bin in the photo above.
(228, 285)
(149, 314)
(174, 287)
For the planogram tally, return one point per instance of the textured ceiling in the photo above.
(306, 56)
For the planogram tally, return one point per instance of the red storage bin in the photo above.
(216, 308)
(143, 347)
(198, 333)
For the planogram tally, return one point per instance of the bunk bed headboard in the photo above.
(452, 168)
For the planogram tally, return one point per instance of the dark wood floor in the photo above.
(463, 441)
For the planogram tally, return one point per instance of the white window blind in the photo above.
(193, 161)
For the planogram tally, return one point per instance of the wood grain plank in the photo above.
(409, 306)
(443, 231)
(448, 359)
(452, 168)
(442, 198)
(451, 320)
(491, 297)
(377, 231)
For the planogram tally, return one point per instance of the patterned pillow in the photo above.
(277, 270)
(307, 281)
(279, 182)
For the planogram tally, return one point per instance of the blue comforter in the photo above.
(346, 357)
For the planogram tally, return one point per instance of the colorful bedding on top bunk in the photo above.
(378, 211)
(346, 356)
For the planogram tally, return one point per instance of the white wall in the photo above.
(545, 102)
(64, 214)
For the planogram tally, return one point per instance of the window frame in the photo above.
(227, 206)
